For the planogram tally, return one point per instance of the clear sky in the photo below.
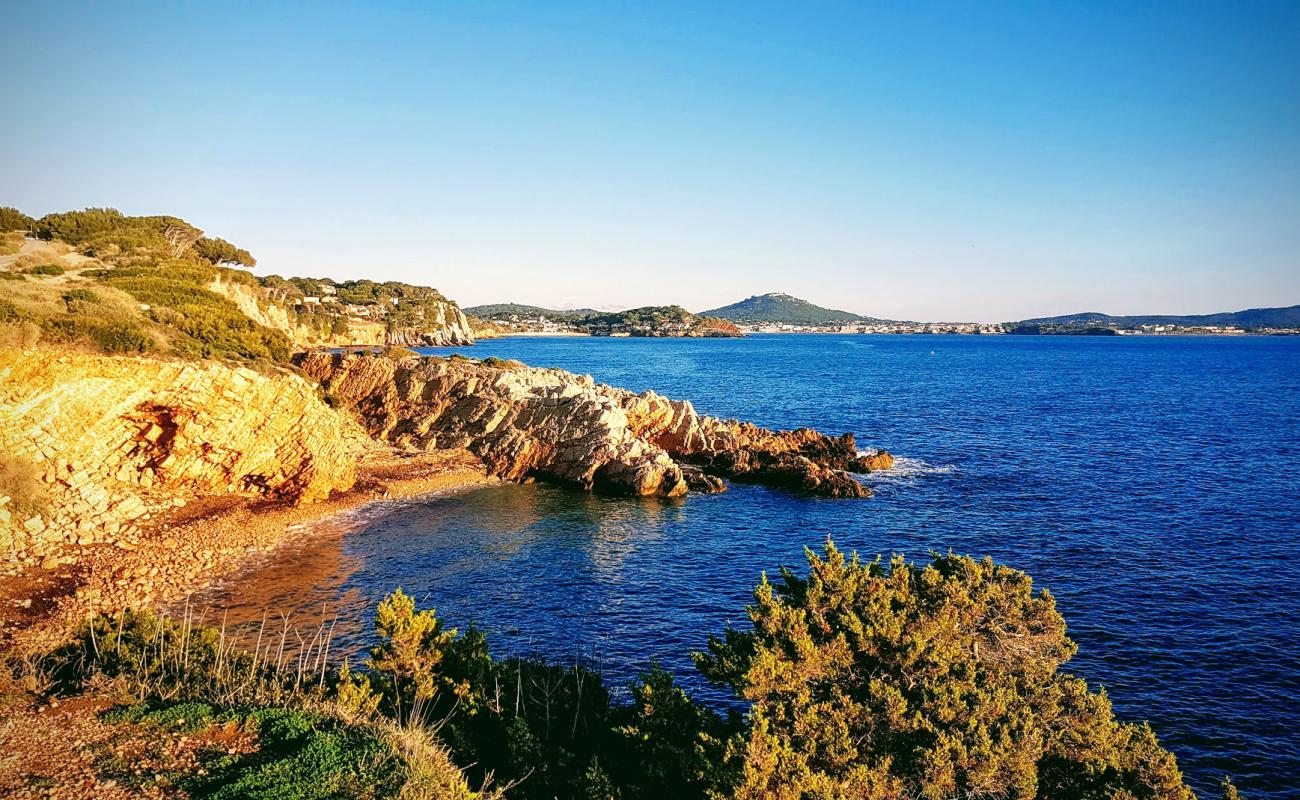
(923, 161)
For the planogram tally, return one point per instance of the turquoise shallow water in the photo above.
(1153, 484)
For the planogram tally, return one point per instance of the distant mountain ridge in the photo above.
(778, 308)
(1286, 317)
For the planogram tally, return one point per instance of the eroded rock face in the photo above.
(111, 439)
(523, 421)
(447, 325)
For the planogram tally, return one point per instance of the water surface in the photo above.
(1153, 484)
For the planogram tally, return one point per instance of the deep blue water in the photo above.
(1153, 484)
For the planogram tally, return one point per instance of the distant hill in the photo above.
(1288, 317)
(781, 308)
(657, 321)
(509, 310)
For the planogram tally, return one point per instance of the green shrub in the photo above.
(863, 680)
(46, 269)
(12, 276)
(551, 728)
(214, 324)
(883, 681)
(121, 338)
(107, 231)
(9, 312)
(79, 300)
(300, 755)
(111, 337)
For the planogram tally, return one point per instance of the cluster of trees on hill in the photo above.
(509, 311)
(656, 321)
(878, 681)
(164, 264)
(643, 321)
(400, 306)
(11, 219)
(167, 265)
(107, 231)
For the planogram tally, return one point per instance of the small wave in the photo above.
(905, 471)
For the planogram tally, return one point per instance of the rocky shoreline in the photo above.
(548, 423)
(158, 476)
(200, 543)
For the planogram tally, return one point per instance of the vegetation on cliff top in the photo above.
(152, 283)
(657, 321)
(864, 680)
(643, 321)
(124, 284)
(522, 311)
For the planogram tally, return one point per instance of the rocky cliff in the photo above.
(443, 323)
(524, 422)
(111, 440)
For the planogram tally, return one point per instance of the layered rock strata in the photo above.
(110, 440)
(525, 422)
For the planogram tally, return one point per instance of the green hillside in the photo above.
(104, 280)
(777, 307)
(522, 311)
(1287, 317)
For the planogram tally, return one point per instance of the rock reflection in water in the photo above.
(478, 556)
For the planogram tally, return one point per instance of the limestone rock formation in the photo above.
(523, 421)
(111, 439)
(445, 326)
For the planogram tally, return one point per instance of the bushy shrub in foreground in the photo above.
(873, 680)
(863, 680)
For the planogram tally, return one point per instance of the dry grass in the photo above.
(10, 242)
(18, 481)
(429, 773)
(20, 254)
(44, 300)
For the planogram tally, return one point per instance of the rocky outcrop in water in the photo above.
(525, 422)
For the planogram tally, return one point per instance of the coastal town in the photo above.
(561, 324)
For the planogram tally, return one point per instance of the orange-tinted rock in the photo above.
(881, 459)
(116, 437)
(522, 421)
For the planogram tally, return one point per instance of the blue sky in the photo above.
(919, 160)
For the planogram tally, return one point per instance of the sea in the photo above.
(1151, 483)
